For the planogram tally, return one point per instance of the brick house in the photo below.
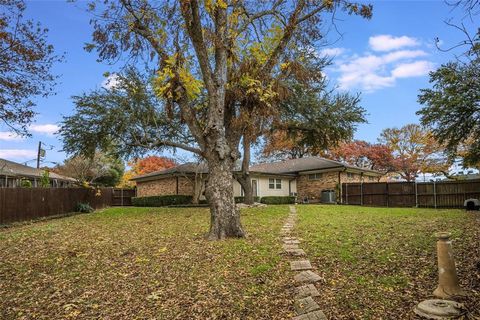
(304, 178)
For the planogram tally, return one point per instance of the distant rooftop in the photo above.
(13, 169)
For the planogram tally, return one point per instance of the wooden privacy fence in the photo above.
(21, 204)
(123, 197)
(443, 194)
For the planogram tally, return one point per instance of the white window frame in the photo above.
(315, 176)
(278, 182)
(271, 183)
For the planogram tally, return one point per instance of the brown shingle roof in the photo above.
(304, 164)
(189, 167)
(287, 167)
(13, 169)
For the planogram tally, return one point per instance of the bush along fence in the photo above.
(440, 194)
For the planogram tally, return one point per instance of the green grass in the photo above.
(144, 263)
(153, 263)
(379, 262)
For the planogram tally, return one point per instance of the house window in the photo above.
(315, 176)
(279, 184)
(271, 183)
(274, 183)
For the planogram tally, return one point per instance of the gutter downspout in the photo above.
(176, 180)
(341, 187)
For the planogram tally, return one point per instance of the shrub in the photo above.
(278, 200)
(25, 183)
(83, 207)
(160, 201)
(242, 199)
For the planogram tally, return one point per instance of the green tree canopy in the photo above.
(452, 106)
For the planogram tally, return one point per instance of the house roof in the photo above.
(295, 166)
(13, 169)
(286, 167)
(189, 167)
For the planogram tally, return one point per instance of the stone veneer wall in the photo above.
(312, 188)
(166, 186)
(329, 180)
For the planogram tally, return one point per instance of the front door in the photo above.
(254, 188)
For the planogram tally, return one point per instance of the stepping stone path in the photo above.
(305, 306)
(300, 265)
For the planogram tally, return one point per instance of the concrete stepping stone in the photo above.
(296, 252)
(291, 241)
(315, 315)
(307, 277)
(300, 265)
(308, 290)
(306, 305)
(290, 247)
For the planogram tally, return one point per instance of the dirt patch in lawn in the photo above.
(378, 263)
(144, 263)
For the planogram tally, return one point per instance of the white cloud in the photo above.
(386, 42)
(332, 52)
(111, 81)
(17, 153)
(10, 136)
(48, 129)
(414, 69)
(371, 72)
(403, 54)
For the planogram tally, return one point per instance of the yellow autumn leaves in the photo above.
(172, 72)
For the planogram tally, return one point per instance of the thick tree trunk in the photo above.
(246, 183)
(198, 187)
(244, 177)
(225, 217)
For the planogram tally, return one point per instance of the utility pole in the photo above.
(40, 154)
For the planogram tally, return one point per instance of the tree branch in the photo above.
(191, 15)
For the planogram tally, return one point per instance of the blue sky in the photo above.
(387, 59)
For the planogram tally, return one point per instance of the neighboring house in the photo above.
(12, 173)
(304, 178)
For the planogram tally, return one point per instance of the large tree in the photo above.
(145, 165)
(306, 107)
(100, 170)
(452, 106)
(26, 60)
(202, 50)
(313, 119)
(365, 155)
(415, 151)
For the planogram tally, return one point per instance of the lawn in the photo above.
(153, 263)
(377, 263)
(144, 263)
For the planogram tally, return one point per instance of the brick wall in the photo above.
(312, 188)
(166, 186)
(329, 180)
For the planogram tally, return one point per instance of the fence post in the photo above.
(387, 194)
(434, 194)
(361, 193)
(416, 194)
(121, 194)
(346, 193)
